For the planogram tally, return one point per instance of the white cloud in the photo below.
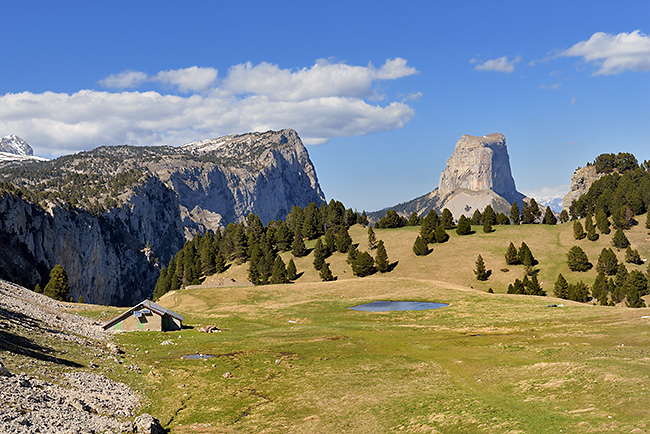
(323, 101)
(614, 54)
(549, 193)
(189, 79)
(124, 80)
(500, 64)
(554, 86)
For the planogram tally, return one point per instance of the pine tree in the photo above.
(441, 234)
(512, 256)
(319, 254)
(292, 273)
(326, 273)
(592, 235)
(58, 287)
(515, 216)
(330, 240)
(526, 256)
(352, 254)
(564, 216)
(363, 219)
(343, 240)
(549, 217)
(363, 264)
(81, 299)
(578, 231)
(428, 227)
(533, 287)
(489, 215)
(636, 287)
(219, 263)
(577, 259)
(517, 287)
(447, 219)
(487, 227)
(502, 219)
(464, 227)
(311, 225)
(561, 287)
(579, 292)
(283, 237)
(381, 258)
(420, 248)
(477, 218)
(632, 256)
(602, 222)
(372, 239)
(607, 262)
(480, 271)
(163, 285)
(619, 240)
(38, 289)
(601, 289)
(413, 220)
(279, 274)
(298, 247)
(620, 284)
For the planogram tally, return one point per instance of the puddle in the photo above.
(385, 306)
(197, 356)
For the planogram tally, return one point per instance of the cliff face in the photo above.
(477, 175)
(580, 183)
(113, 255)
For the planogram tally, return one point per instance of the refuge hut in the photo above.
(146, 315)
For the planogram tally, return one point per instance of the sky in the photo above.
(379, 91)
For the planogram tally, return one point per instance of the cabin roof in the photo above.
(154, 307)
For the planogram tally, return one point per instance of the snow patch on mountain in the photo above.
(13, 148)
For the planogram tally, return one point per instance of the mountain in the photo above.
(581, 181)
(13, 148)
(112, 216)
(477, 175)
(555, 202)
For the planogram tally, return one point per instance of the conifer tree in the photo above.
(428, 228)
(319, 254)
(636, 287)
(619, 240)
(39, 290)
(502, 219)
(632, 256)
(372, 239)
(526, 256)
(578, 231)
(447, 219)
(517, 287)
(515, 216)
(579, 292)
(592, 235)
(292, 273)
(441, 234)
(600, 290)
(311, 225)
(363, 219)
(512, 256)
(58, 287)
(487, 227)
(564, 216)
(530, 212)
(577, 259)
(298, 247)
(283, 237)
(477, 218)
(81, 299)
(326, 273)
(464, 227)
(352, 254)
(533, 287)
(413, 220)
(420, 248)
(489, 215)
(480, 271)
(607, 262)
(343, 240)
(219, 263)
(549, 217)
(381, 258)
(602, 222)
(330, 240)
(162, 285)
(561, 287)
(279, 273)
(620, 284)
(363, 264)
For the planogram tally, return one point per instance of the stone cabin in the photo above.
(146, 315)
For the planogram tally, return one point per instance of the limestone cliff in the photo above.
(111, 216)
(580, 183)
(477, 174)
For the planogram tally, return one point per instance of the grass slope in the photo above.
(292, 358)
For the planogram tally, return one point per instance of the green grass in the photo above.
(301, 362)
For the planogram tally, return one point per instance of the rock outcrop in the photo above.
(581, 181)
(112, 216)
(13, 148)
(477, 175)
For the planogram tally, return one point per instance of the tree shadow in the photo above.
(392, 266)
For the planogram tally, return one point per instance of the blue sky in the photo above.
(380, 91)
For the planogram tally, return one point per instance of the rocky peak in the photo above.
(580, 183)
(477, 164)
(13, 144)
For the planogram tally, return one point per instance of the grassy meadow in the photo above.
(293, 359)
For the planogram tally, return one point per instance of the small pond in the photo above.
(197, 356)
(385, 306)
